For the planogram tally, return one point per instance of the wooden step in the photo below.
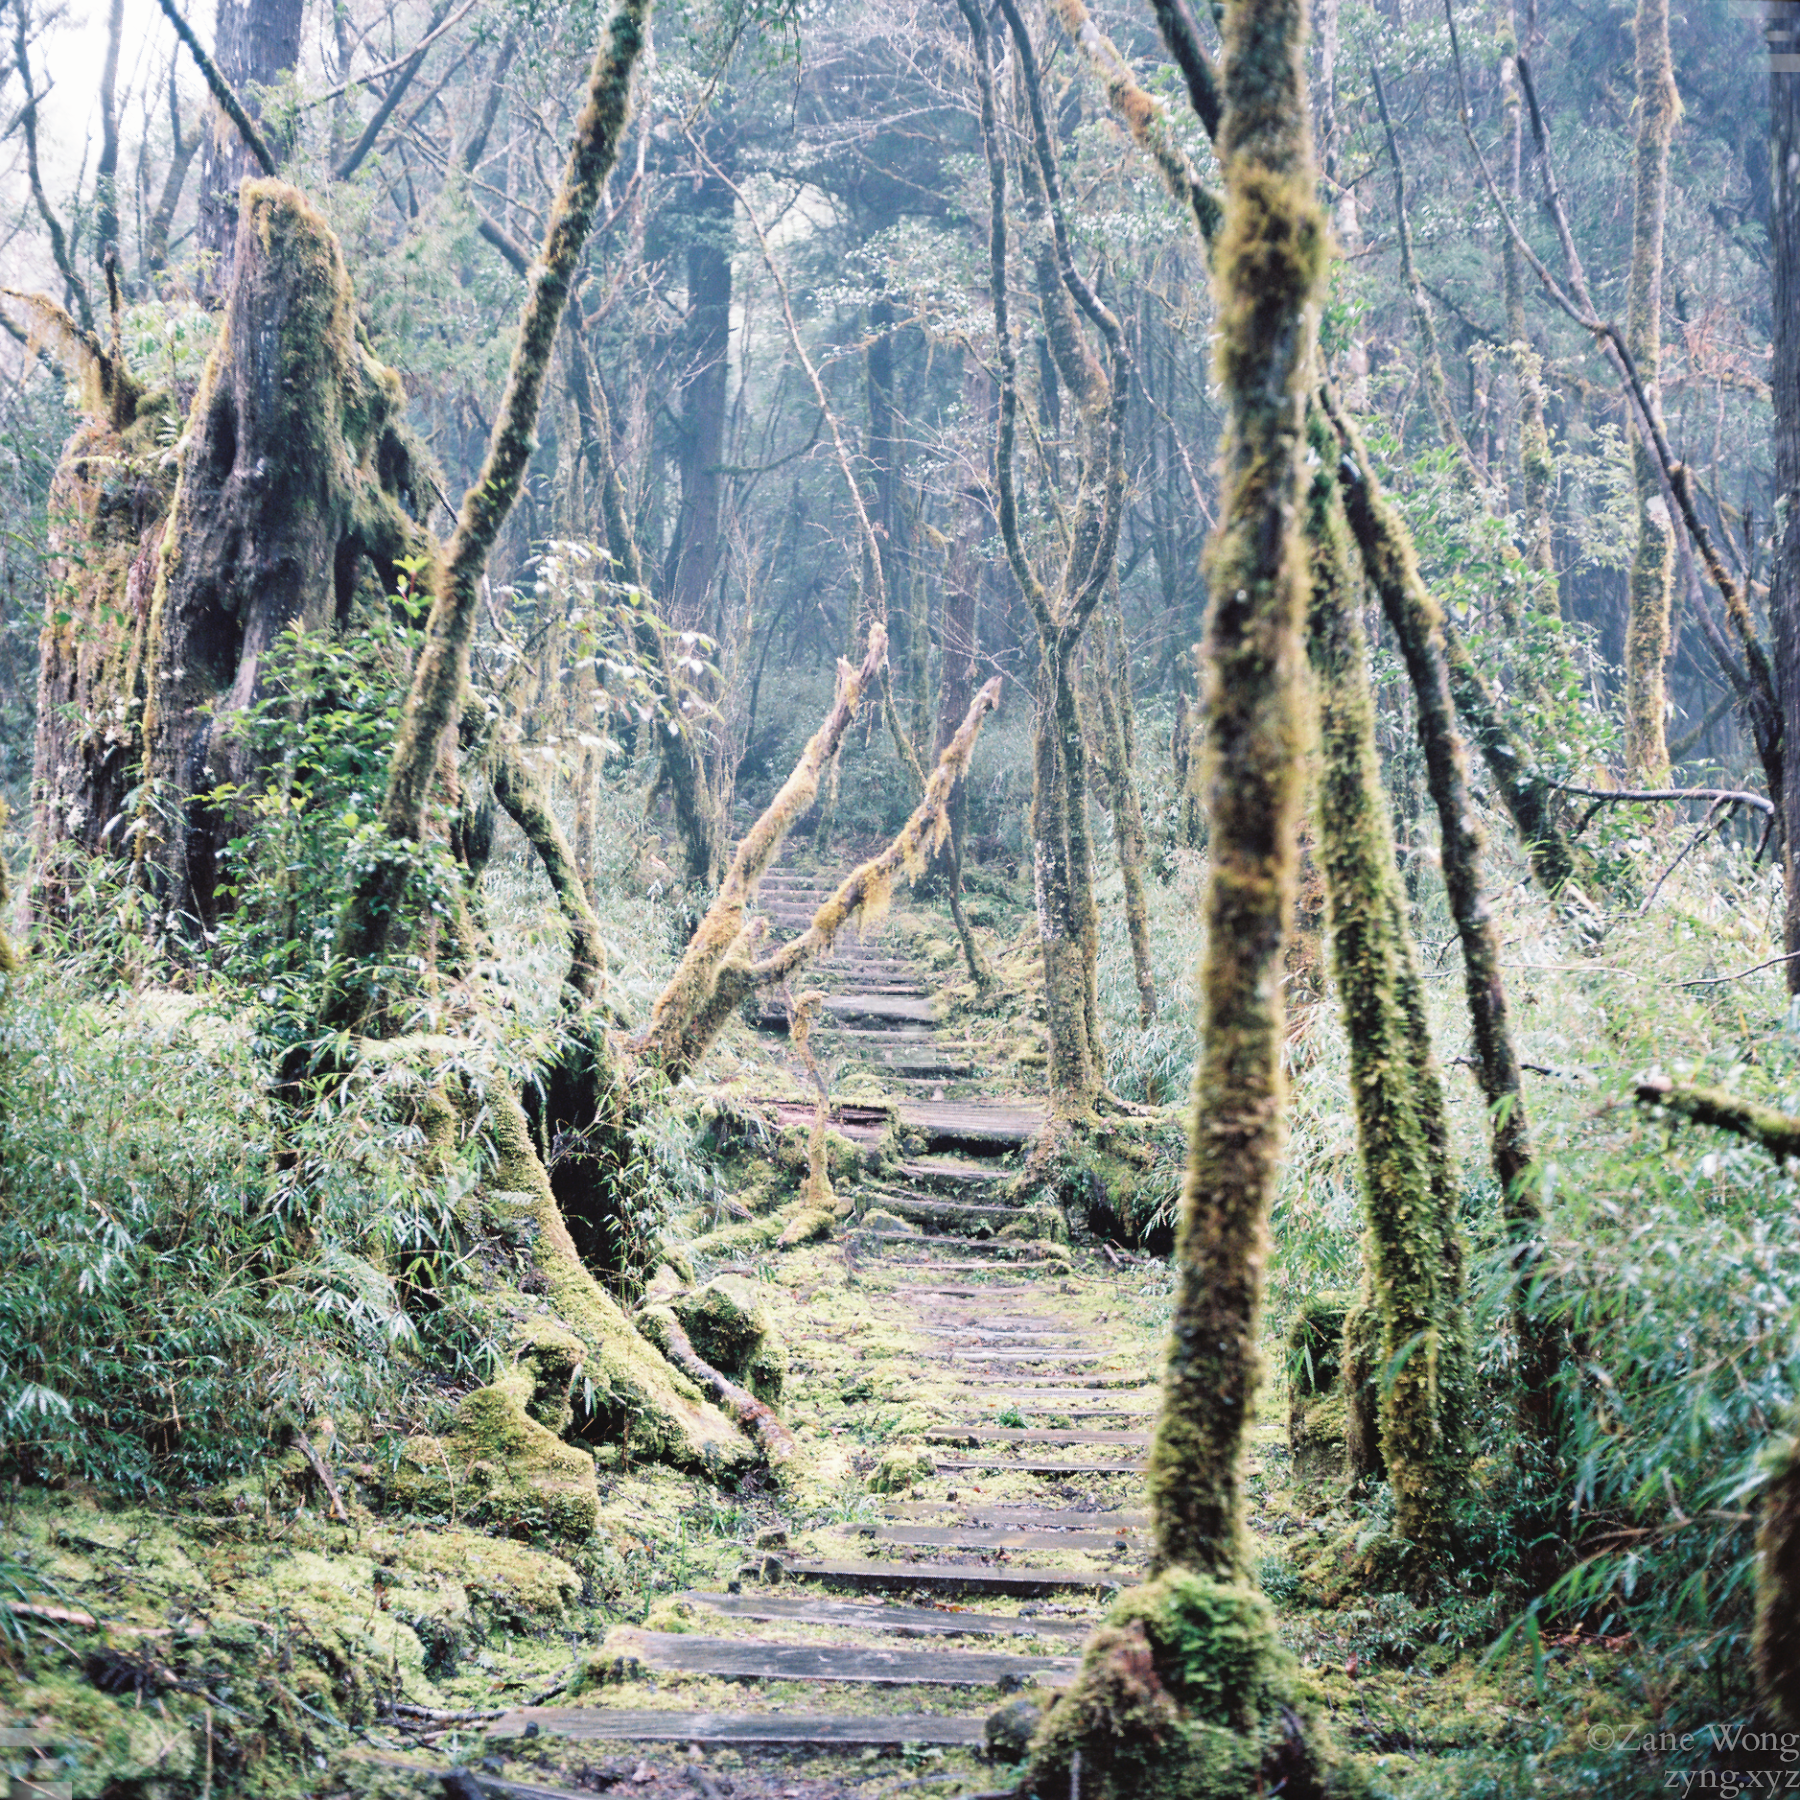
(980, 1268)
(754, 1659)
(763, 1606)
(809, 1731)
(1030, 1517)
(1023, 1466)
(1023, 1385)
(1013, 1434)
(947, 1123)
(989, 1537)
(948, 1172)
(1004, 1248)
(972, 1578)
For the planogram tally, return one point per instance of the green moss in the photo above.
(1185, 1693)
(901, 1469)
(498, 1465)
(551, 1357)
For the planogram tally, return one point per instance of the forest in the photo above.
(899, 899)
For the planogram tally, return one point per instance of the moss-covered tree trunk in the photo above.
(1409, 1184)
(1653, 559)
(1418, 623)
(295, 479)
(297, 473)
(1185, 1691)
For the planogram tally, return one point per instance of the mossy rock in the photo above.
(1038, 1223)
(1184, 1693)
(878, 1218)
(498, 1463)
(901, 1469)
(724, 1322)
(515, 1585)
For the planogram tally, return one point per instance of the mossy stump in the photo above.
(734, 1332)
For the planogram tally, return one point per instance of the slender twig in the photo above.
(1617, 795)
(1708, 825)
(1774, 962)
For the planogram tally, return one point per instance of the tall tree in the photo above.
(1653, 559)
(1186, 1689)
(256, 43)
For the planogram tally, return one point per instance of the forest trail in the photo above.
(870, 1656)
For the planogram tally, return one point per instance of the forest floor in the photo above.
(973, 1394)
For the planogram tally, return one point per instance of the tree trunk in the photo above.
(1784, 581)
(1182, 1737)
(1409, 1183)
(255, 44)
(298, 468)
(697, 545)
(1112, 683)
(1536, 468)
(1653, 560)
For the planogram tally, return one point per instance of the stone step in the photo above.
(1019, 1356)
(763, 1606)
(800, 1731)
(972, 1578)
(754, 1659)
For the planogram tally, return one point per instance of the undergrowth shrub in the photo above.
(187, 1270)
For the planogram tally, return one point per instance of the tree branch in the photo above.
(1776, 1132)
(222, 90)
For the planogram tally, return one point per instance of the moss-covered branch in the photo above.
(222, 91)
(1387, 554)
(1143, 116)
(442, 671)
(1775, 1131)
(522, 797)
(757, 1420)
(691, 1008)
